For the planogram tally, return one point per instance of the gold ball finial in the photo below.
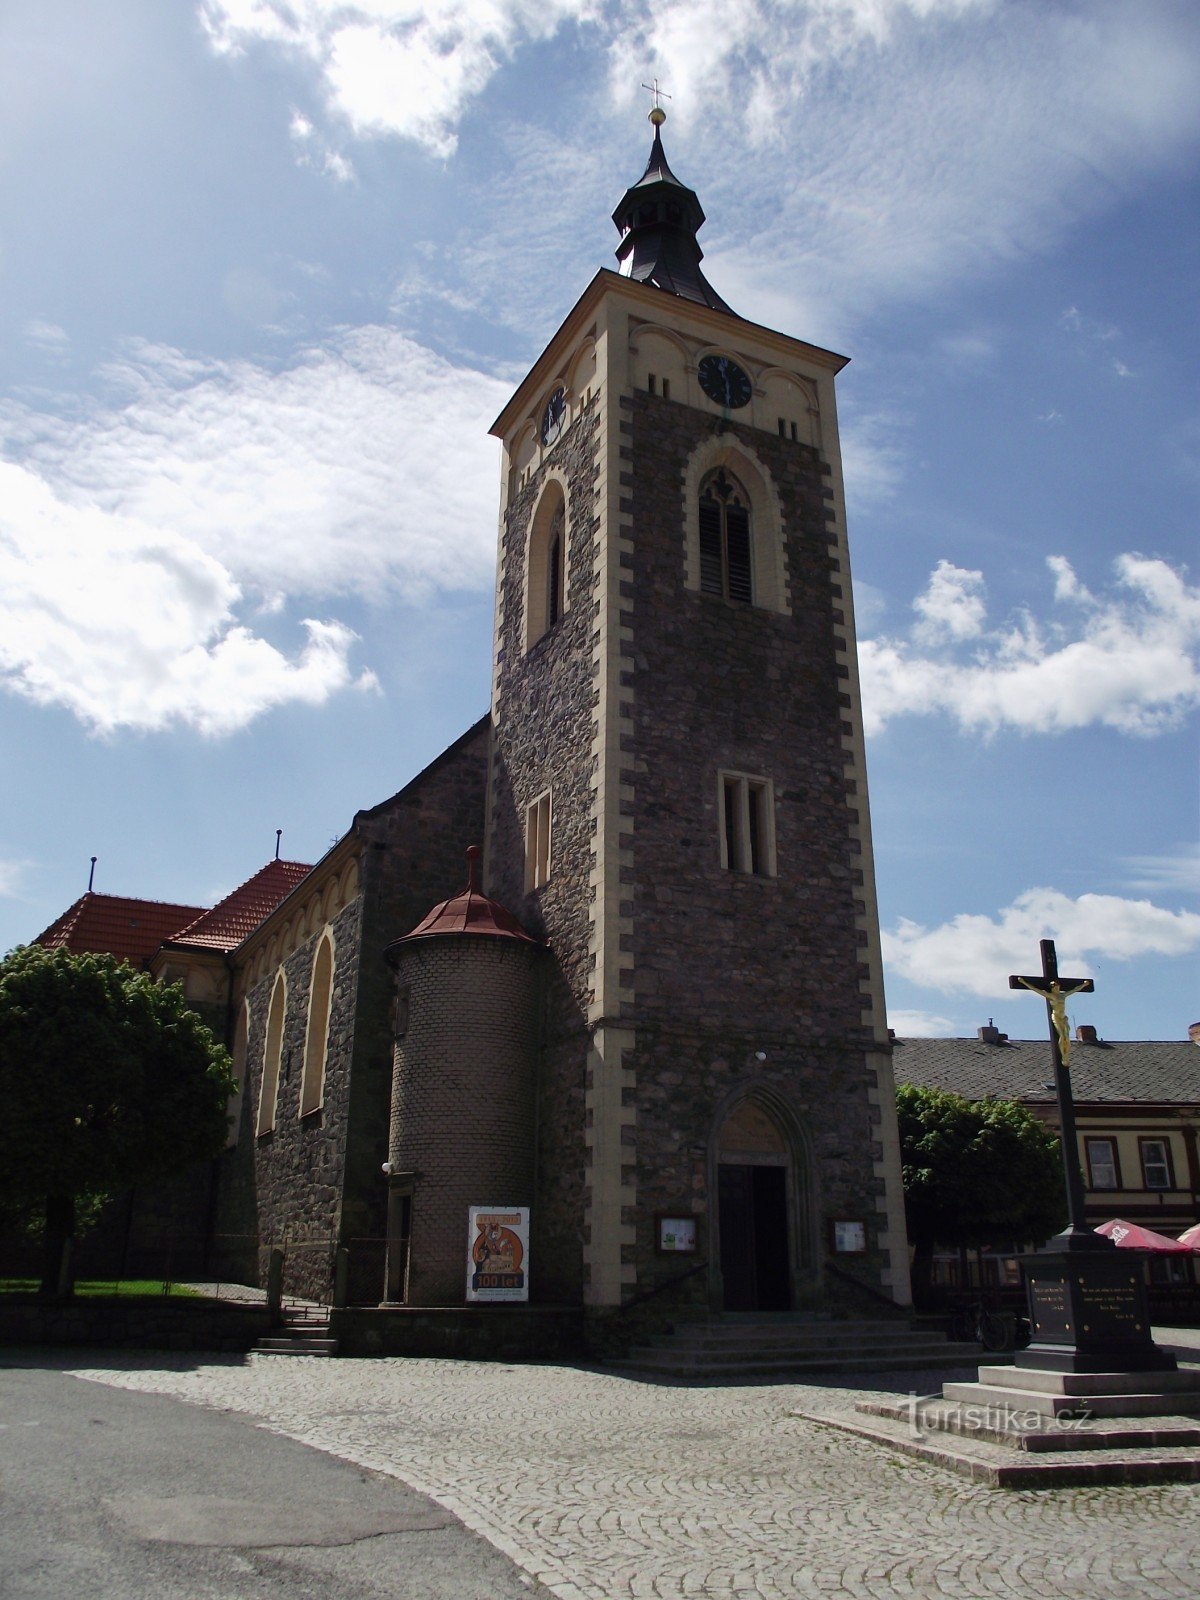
(656, 113)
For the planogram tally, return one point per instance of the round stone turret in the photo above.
(463, 1086)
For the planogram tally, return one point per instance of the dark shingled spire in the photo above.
(658, 219)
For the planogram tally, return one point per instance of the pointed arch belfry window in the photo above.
(725, 538)
(546, 565)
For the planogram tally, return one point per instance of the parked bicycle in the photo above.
(994, 1330)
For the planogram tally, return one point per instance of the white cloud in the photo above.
(853, 150)
(53, 341)
(313, 150)
(910, 171)
(1180, 871)
(363, 466)
(975, 954)
(393, 66)
(131, 626)
(1129, 661)
(952, 606)
(920, 1025)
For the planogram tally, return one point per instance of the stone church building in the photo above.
(654, 1014)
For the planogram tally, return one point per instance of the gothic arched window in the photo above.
(272, 1057)
(546, 566)
(320, 1000)
(725, 541)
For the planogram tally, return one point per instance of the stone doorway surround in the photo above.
(761, 1184)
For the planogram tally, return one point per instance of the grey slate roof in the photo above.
(1020, 1069)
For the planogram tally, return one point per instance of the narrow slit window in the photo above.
(651, 384)
(666, 388)
(554, 599)
(747, 824)
(537, 842)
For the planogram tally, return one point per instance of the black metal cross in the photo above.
(659, 94)
(1055, 991)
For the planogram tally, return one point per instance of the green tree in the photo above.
(975, 1172)
(106, 1080)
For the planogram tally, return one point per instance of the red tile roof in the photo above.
(469, 912)
(117, 925)
(236, 917)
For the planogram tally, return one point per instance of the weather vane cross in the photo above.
(657, 114)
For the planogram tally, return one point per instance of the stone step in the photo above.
(694, 1367)
(301, 1345)
(1185, 1379)
(1124, 1404)
(693, 1337)
(1002, 1467)
(1033, 1431)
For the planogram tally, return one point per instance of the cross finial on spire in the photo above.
(656, 114)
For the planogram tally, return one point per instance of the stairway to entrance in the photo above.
(304, 1331)
(786, 1344)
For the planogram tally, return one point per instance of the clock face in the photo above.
(554, 417)
(725, 382)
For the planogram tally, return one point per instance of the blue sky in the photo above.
(268, 272)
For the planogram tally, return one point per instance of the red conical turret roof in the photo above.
(469, 912)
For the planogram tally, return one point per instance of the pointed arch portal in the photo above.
(763, 1204)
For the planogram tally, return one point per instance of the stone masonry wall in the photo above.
(414, 858)
(299, 1165)
(729, 965)
(544, 714)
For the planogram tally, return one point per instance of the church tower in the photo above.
(677, 799)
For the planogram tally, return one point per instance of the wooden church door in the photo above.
(752, 1213)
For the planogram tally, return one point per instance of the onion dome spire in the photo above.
(658, 219)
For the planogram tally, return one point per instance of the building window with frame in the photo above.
(272, 1056)
(537, 842)
(1156, 1164)
(746, 807)
(546, 566)
(320, 1003)
(1103, 1172)
(725, 538)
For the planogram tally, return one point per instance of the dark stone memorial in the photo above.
(1087, 1299)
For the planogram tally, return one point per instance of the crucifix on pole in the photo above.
(1055, 991)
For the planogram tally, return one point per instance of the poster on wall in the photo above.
(498, 1253)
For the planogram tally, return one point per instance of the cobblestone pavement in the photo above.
(603, 1487)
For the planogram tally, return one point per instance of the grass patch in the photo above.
(106, 1288)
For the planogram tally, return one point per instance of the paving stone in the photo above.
(603, 1487)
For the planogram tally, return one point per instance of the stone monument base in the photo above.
(1018, 1427)
(1088, 1314)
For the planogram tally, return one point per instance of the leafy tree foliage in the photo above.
(106, 1080)
(975, 1172)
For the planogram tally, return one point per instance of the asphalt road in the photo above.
(110, 1494)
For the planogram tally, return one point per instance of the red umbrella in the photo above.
(1192, 1237)
(1129, 1236)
